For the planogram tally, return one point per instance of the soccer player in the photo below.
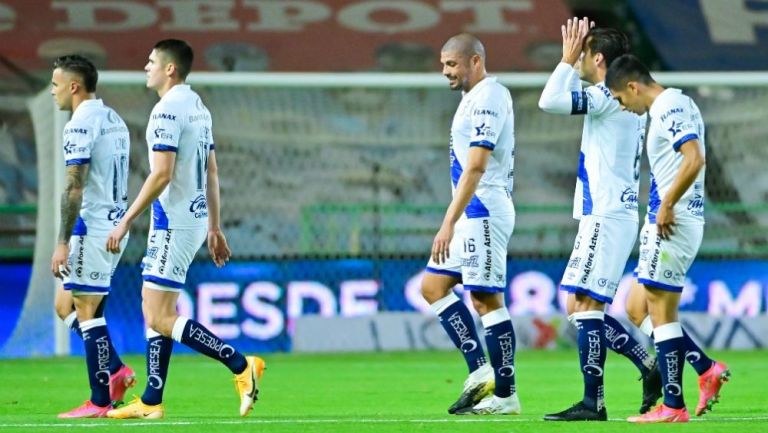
(96, 148)
(712, 374)
(674, 225)
(605, 203)
(183, 190)
(471, 245)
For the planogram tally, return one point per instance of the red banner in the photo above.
(282, 35)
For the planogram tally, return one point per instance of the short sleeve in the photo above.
(78, 142)
(164, 131)
(677, 127)
(487, 118)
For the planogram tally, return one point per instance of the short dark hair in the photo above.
(180, 53)
(625, 69)
(77, 64)
(609, 42)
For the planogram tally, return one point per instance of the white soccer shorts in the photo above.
(478, 253)
(663, 264)
(169, 254)
(599, 257)
(91, 265)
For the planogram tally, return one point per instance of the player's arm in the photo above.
(158, 179)
(563, 94)
(477, 161)
(71, 201)
(217, 243)
(693, 162)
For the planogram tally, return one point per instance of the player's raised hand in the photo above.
(115, 237)
(441, 244)
(218, 248)
(574, 31)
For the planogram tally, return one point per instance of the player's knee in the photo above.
(64, 309)
(432, 292)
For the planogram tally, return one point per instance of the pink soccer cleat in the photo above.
(87, 410)
(662, 413)
(119, 382)
(709, 386)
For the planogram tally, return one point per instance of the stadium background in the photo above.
(332, 189)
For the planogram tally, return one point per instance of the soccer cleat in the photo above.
(247, 383)
(136, 409)
(493, 405)
(662, 413)
(479, 384)
(87, 410)
(651, 388)
(578, 412)
(119, 382)
(709, 386)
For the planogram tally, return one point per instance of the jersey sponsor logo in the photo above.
(160, 134)
(677, 110)
(152, 252)
(112, 117)
(507, 368)
(198, 117)
(484, 112)
(462, 331)
(82, 131)
(179, 271)
(696, 204)
(70, 148)
(617, 340)
(79, 260)
(164, 116)
(199, 207)
(605, 91)
(655, 258)
(166, 250)
(574, 262)
(484, 131)
(102, 351)
(114, 129)
(629, 198)
(675, 128)
(115, 215)
(488, 265)
(589, 263)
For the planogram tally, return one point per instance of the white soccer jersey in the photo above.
(675, 119)
(181, 123)
(97, 136)
(484, 118)
(608, 177)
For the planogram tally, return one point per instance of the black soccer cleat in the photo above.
(470, 396)
(652, 388)
(578, 412)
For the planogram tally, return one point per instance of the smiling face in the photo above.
(458, 69)
(62, 87)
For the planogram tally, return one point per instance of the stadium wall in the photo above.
(257, 304)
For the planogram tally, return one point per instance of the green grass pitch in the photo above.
(380, 392)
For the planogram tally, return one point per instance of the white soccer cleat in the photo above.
(493, 405)
(479, 384)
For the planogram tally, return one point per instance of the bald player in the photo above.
(471, 246)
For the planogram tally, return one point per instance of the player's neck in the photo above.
(165, 88)
(653, 92)
(78, 99)
(474, 83)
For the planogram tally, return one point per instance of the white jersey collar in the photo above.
(480, 84)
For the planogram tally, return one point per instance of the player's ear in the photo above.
(599, 58)
(633, 87)
(170, 69)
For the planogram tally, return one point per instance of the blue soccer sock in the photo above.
(693, 353)
(97, 354)
(695, 356)
(621, 342)
(500, 339)
(669, 349)
(114, 360)
(159, 351)
(460, 327)
(590, 338)
(198, 337)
